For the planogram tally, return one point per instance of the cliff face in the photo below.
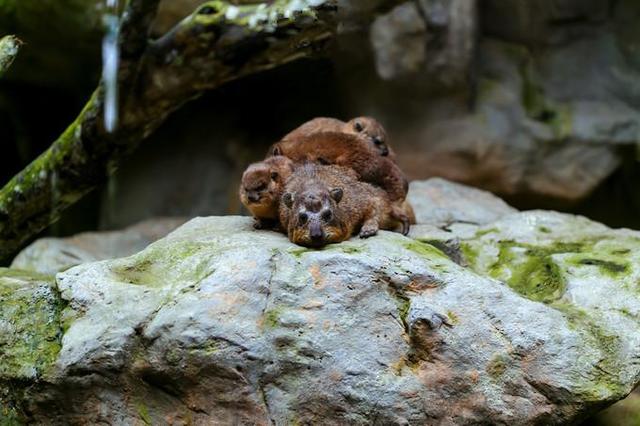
(483, 315)
(549, 91)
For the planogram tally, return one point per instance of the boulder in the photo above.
(530, 318)
(52, 255)
(439, 202)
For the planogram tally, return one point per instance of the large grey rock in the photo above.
(441, 203)
(537, 323)
(52, 255)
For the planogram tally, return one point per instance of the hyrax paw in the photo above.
(367, 232)
(258, 224)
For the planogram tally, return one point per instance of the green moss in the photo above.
(561, 121)
(210, 348)
(257, 17)
(544, 229)
(9, 47)
(497, 365)
(271, 318)
(620, 252)
(10, 416)
(539, 107)
(469, 252)
(30, 310)
(173, 355)
(484, 232)
(606, 267)
(603, 383)
(143, 413)
(159, 264)
(425, 250)
(530, 270)
(404, 305)
(298, 252)
(453, 318)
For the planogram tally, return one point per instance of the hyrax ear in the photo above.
(337, 194)
(287, 199)
(276, 151)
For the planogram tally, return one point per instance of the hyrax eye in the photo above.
(358, 126)
(378, 141)
(302, 217)
(327, 215)
(287, 198)
(261, 187)
(274, 175)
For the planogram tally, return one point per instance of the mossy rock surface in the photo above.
(249, 328)
(30, 329)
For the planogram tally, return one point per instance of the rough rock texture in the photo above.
(430, 42)
(52, 255)
(440, 203)
(535, 322)
(554, 95)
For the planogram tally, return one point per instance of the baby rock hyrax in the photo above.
(261, 189)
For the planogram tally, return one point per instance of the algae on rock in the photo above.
(9, 47)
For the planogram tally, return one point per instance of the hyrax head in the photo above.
(262, 184)
(313, 221)
(372, 130)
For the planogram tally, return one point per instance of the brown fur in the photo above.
(371, 129)
(351, 151)
(261, 189)
(328, 204)
(367, 127)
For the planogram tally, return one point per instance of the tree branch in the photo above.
(216, 44)
(9, 47)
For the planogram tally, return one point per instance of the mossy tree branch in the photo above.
(216, 44)
(9, 47)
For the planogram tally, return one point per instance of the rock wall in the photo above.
(536, 101)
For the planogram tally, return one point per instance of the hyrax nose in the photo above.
(254, 197)
(315, 232)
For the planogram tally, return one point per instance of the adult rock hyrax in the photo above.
(347, 150)
(367, 127)
(328, 204)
